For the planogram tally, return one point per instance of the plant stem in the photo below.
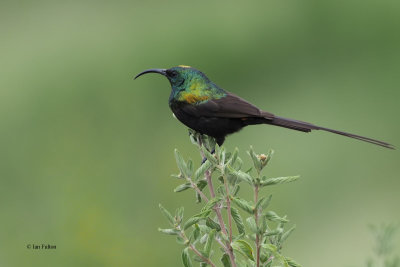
(228, 206)
(204, 197)
(256, 188)
(207, 260)
(217, 208)
(192, 247)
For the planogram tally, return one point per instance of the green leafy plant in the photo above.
(384, 246)
(258, 244)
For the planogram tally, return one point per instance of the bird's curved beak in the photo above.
(159, 71)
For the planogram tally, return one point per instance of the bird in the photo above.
(208, 109)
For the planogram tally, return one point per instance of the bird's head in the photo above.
(179, 76)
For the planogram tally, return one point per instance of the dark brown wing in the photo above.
(230, 106)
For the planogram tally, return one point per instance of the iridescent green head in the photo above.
(180, 76)
(188, 84)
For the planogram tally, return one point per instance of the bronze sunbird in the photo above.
(208, 109)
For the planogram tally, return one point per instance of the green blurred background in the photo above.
(86, 152)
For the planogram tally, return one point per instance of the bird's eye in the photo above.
(172, 73)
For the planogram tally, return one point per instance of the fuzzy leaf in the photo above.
(196, 233)
(210, 204)
(242, 176)
(263, 202)
(226, 261)
(203, 214)
(200, 172)
(252, 224)
(207, 246)
(274, 232)
(255, 159)
(243, 204)
(244, 248)
(209, 156)
(180, 240)
(213, 225)
(191, 221)
(189, 168)
(169, 231)
(238, 220)
(287, 233)
(181, 163)
(235, 190)
(182, 187)
(272, 216)
(233, 158)
(291, 262)
(186, 258)
(167, 214)
(279, 180)
(274, 250)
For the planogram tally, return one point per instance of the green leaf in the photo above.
(210, 204)
(263, 202)
(226, 261)
(263, 226)
(182, 187)
(279, 180)
(207, 246)
(209, 156)
(178, 176)
(200, 172)
(274, 232)
(179, 214)
(272, 216)
(190, 168)
(180, 240)
(235, 190)
(274, 250)
(181, 164)
(203, 214)
(243, 204)
(242, 176)
(233, 158)
(167, 214)
(191, 221)
(198, 198)
(252, 224)
(186, 258)
(255, 159)
(244, 248)
(223, 154)
(213, 225)
(169, 231)
(196, 233)
(291, 262)
(287, 233)
(238, 220)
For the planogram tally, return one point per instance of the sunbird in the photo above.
(206, 108)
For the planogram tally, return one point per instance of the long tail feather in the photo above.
(308, 127)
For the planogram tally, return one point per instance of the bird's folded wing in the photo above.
(230, 106)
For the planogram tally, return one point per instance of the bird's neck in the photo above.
(195, 91)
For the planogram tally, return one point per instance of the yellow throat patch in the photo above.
(192, 98)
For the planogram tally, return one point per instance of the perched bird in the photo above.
(208, 109)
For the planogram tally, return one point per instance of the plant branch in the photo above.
(194, 185)
(207, 260)
(194, 249)
(258, 245)
(217, 208)
(228, 206)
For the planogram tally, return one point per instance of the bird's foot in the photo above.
(205, 159)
